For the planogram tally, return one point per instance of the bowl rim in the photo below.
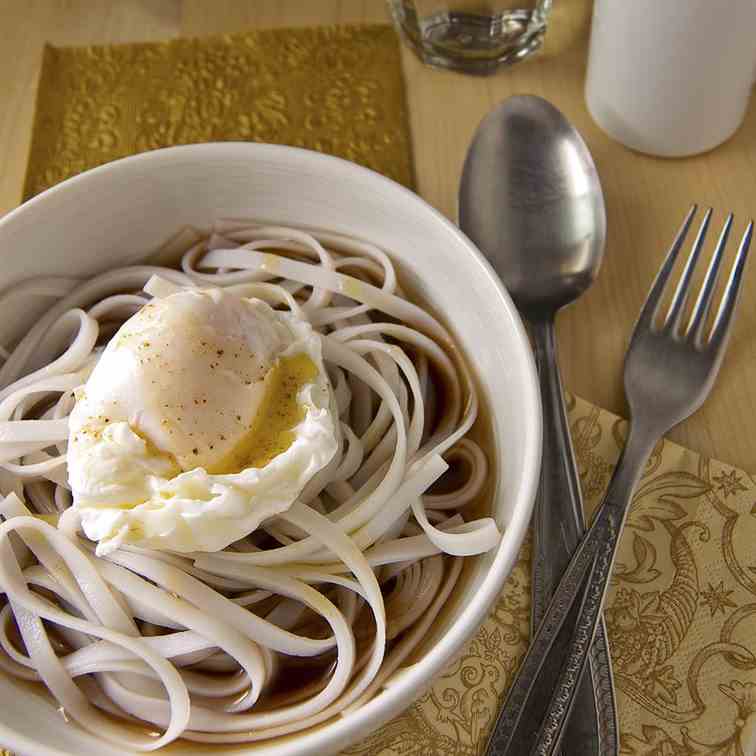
(415, 679)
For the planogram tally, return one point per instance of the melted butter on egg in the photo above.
(272, 431)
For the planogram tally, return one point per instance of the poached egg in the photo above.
(205, 415)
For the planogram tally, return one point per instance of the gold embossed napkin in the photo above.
(337, 89)
(681, 613)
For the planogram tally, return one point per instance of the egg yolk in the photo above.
(272, 431)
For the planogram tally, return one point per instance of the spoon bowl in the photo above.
(531, 199)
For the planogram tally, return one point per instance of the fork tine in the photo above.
(706, 294)
(677, 305)
(723, 320)
(653, 300)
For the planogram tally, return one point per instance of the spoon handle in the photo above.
(558, 515)
(575, 609)
(558, 526)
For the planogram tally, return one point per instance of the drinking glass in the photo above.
(470, 35)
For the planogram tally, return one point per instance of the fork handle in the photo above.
(557, 527)
(578, 599)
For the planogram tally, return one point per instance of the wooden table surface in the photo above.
(646, 197)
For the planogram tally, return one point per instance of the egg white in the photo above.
(148, 413)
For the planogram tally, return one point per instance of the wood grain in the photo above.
(646, 197)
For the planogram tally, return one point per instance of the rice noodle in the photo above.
(342, 587)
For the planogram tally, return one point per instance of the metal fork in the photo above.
(669, 371)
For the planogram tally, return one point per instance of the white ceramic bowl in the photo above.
(116, 214)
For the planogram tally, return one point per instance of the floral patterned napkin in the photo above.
(681, 615)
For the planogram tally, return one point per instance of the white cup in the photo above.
(671, 77)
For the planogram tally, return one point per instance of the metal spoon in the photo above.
(531, 200)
